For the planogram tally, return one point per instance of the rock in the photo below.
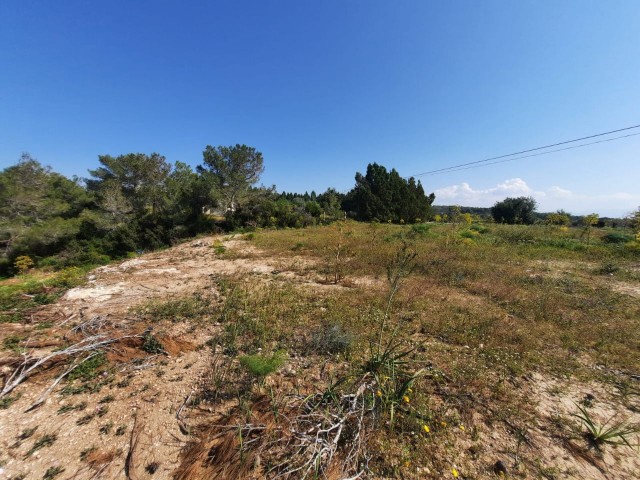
(499, 468)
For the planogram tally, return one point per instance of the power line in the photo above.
(456, 167)
(461, 167)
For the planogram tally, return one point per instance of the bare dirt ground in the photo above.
(137, 425)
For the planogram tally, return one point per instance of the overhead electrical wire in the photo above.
(482, 163)
(459, 168)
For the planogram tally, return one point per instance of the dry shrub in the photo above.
(98, 459)
(315, 436)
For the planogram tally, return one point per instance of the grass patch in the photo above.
(260, 365)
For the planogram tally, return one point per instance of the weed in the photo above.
(71, 408)
(27, 433)
(331, 339)
(106, 428)
(86, 419)
(86, 452)
(107, 399)
(42, 442)
(606, 433)
(262, 365)
(152, 345)
(7, 401)
(52, 472)
(121, 430)
(88, 370)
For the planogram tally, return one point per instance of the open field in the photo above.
(343, 351)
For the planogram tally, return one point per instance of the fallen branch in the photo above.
(31, 364)
(46, 393)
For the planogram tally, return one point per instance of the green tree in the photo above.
(132, 183)
(559, 218)
(39, 210)
(634, 223)
(588, 222)
(515, 210)
(386, 196)
(231, 171)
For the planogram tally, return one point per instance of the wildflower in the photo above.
(444, 424)
(455, 473)
(426, 428)
(378, 393)
(410, 390)
(406, 399)
(462, 427)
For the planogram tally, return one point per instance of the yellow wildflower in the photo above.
(410, 390)
(462, 427)
(444, 424)
(406, 399)
(426, 428)
(455, 473)
(378, 393)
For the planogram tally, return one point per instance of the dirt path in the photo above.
(147, 395)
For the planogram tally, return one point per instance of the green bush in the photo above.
(617, 237)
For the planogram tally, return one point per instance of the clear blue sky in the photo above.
(323, 88)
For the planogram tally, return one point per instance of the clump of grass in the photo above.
(261, 365)
(219, 248)
(52, 472)
(107, 399)
(86, 419)
(609, 268)
(121, 430)
(606, 433)
(7, 401)
(42, 442)
(71, 408)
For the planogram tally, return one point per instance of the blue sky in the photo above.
(323, 88)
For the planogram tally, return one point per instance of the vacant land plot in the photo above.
(344, 351)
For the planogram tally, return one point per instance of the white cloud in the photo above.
(549, 199)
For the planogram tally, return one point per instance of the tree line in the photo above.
(140, 201)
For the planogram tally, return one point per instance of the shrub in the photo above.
(617, 237)
(23, 263)
(331, 339)
(420, 228)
